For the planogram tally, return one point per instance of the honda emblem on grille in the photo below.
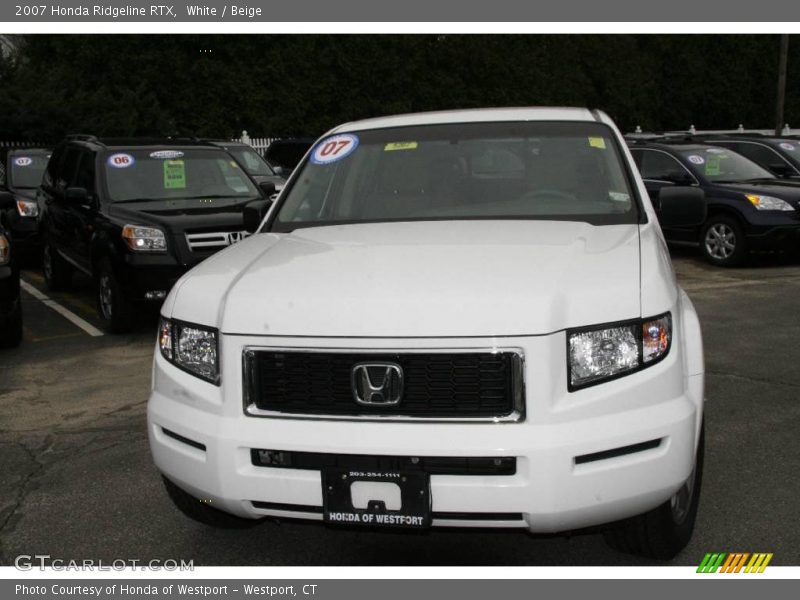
(236, 236)
(377, 383)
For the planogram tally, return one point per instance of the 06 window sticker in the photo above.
(120, 160)
(334, 148)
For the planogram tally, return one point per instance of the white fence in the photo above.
(260, 145)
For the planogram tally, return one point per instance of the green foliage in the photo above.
(278, 85)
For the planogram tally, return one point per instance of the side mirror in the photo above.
(267, 188)
(254, 213)
(6, 200)
(680, 178)
(781, 170)
(682, 206)
(76, 195)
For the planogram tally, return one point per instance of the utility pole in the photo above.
(781, 83)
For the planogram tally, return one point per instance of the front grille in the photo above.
(435, 465)
(446, 385)
(215, 240)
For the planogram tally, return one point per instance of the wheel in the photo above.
(665, 530)
(57, 271)
(722, 241)
(202, 512)
(13, 328)
(115, 310)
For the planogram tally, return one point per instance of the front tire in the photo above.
(664, 531)
(13, 328)
(722, 241)
(57, 271)
(202, 512)
(113, 307)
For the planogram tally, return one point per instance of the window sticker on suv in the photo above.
(23, 161)
(597, 142)
(174, 175)
(121, 160)
(788, 146)
(334, 148)
(166, 154)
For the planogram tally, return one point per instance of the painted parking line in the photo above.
(64, 312)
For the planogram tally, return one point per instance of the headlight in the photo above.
(144, 239)
(190, 347)
(768, 203)
(600, 354)
(27, 208)
(5, 251)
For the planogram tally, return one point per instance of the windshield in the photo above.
(532, 170)
(174, 174)
(27, 170)
(722, 165)
(251, 161)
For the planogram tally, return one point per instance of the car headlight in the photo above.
(190, 347)
(27, 208)
(768, 203)
(601, 353)
(5, 251)
(144, 239)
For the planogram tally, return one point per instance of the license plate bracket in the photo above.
(415, 498)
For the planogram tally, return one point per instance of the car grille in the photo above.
(216, 240)
(444, 385)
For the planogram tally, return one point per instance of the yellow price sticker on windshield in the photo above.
(400, 146)
(597, 142)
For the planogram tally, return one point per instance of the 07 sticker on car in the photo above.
(334, 149)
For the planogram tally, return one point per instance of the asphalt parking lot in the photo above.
(77, 482)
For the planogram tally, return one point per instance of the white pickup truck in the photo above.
(455, 319)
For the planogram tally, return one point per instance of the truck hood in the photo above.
(181, 215)
(420, 279)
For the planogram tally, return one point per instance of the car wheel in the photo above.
(722, 242)
(13, 328)
(202, 512)
(57, 271)
(664, 531)
(115, 310)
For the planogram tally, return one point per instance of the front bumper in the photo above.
(551, 491)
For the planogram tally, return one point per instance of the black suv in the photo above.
(748, 207)
(10, 305)
(136, 214)
(21, 178)
(780, 156)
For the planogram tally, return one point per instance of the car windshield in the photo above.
(721, 165)
(503, 170)
(251, 161)
(27, 170)
(172, 174)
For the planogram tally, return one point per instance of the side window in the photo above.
(659, 165)
(66, 174)
(85, 177)
(760, 154)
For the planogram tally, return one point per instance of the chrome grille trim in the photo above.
(518, 414)
(214, 240)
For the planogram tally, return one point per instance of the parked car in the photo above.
(252, 162)
(136, 214)
(23, 174)
(463, 318)
(748, 207)
(780, 156)
(285, 154)
(10, 304)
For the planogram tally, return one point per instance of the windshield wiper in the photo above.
(752, 180)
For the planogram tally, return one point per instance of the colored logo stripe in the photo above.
(734, 562)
